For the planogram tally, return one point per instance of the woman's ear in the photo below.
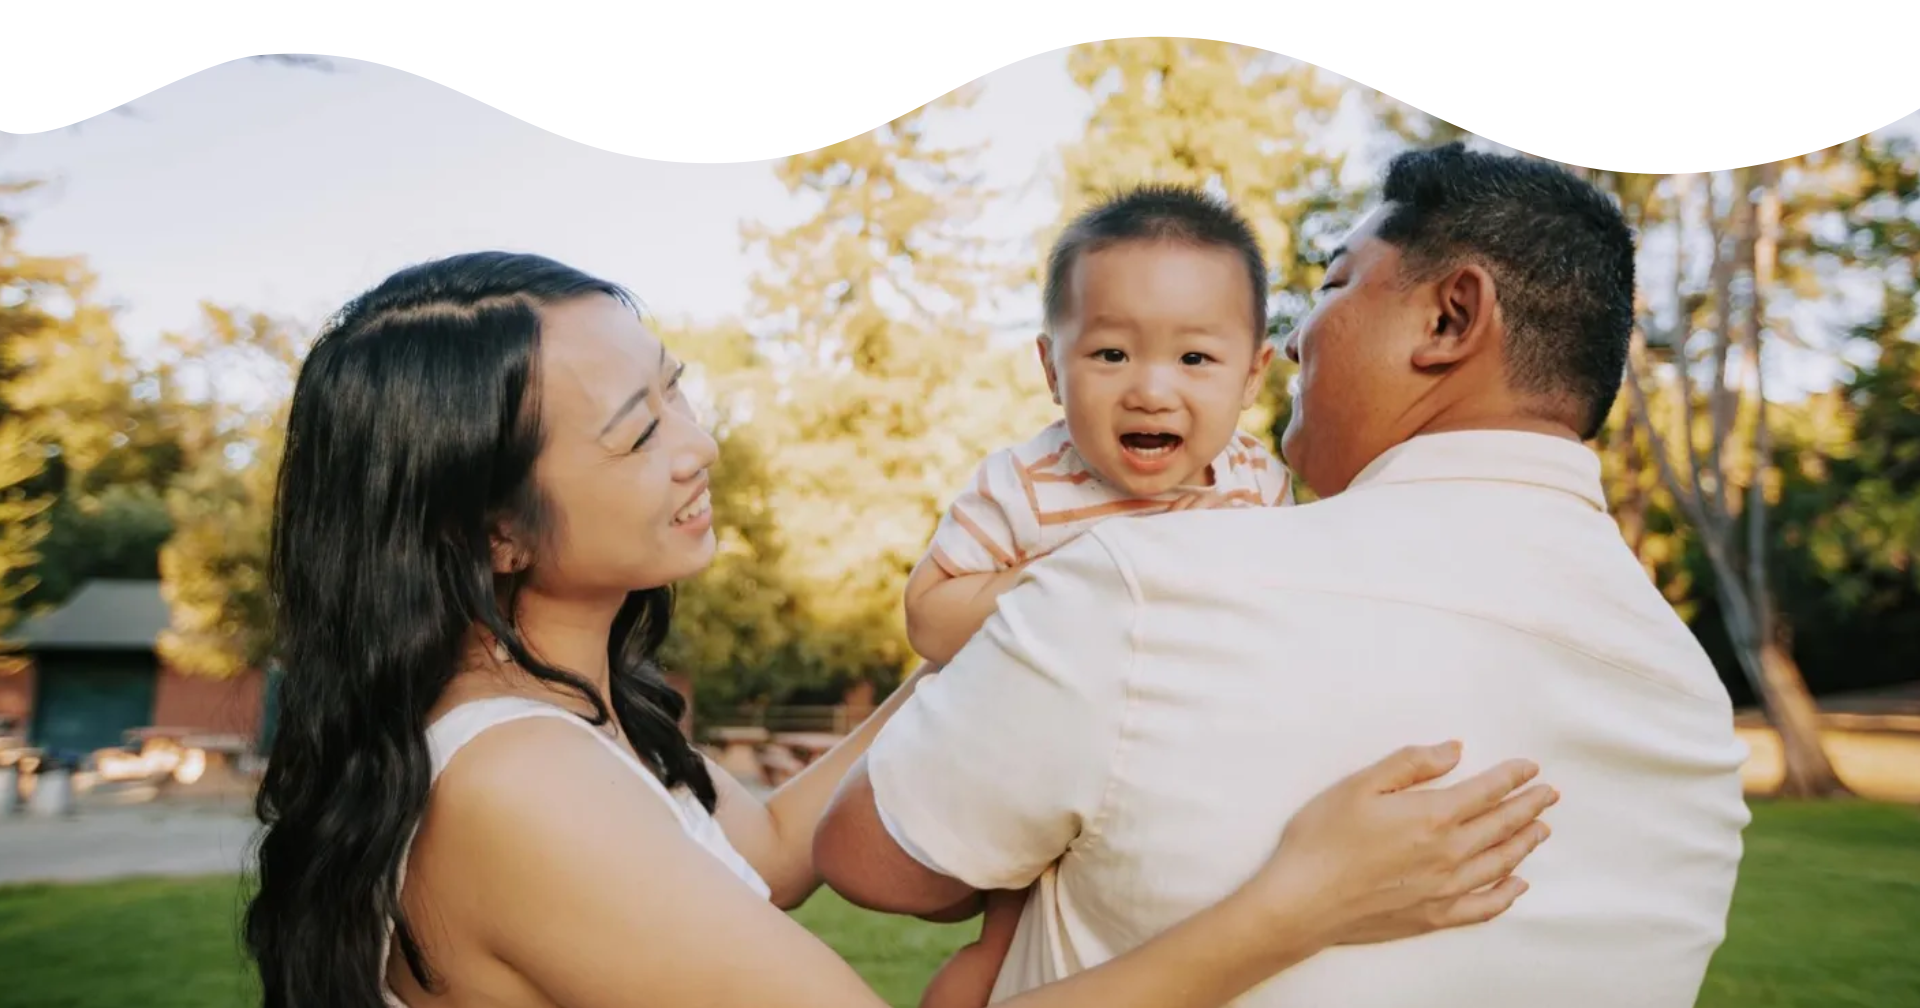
(507, 554)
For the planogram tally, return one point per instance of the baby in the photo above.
(1155, 343)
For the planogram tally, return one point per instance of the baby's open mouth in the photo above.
(1150, 445)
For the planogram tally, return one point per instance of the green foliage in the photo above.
(32, 289)
(116, 533)
(877, 392)
(214, 569)
(863, 383)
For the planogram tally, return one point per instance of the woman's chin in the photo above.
(701, 548)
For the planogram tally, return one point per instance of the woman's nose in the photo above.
(697, 449)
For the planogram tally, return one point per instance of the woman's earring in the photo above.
(500, 652)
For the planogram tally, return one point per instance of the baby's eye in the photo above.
(1110, 356)
(1195, 359)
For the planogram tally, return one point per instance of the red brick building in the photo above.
(93, 674)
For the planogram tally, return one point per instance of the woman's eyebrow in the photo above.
(634, 400)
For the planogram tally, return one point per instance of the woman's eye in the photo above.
(645, 436)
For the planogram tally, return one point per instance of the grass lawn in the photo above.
(1827, 916)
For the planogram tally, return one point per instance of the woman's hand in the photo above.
(1370, 860)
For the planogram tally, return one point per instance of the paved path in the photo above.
(116, 842)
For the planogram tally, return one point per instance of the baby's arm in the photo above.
(977, 553)
(945, 611)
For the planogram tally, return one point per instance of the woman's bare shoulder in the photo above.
(512, 774)
(594, 889)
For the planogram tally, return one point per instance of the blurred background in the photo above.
(859, 319)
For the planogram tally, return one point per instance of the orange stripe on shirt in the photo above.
(980, 536)
(1026, 484)
(1072, 515)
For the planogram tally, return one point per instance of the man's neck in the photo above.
(1519, 423)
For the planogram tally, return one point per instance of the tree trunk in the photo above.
(1768, 666)
(1789, 703)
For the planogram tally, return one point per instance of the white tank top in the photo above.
(464, 723)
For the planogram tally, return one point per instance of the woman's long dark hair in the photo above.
(412, 436)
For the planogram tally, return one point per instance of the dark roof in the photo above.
(104, 615)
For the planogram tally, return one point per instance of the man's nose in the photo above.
(1292, 345)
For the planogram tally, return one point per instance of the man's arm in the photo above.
(999, 763)
(776, 835)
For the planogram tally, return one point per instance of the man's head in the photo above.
(1485, 291)
(1156, 313)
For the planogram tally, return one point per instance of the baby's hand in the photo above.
(1205, 500)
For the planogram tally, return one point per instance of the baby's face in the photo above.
(1157, 361)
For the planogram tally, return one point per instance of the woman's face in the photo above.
(624, 467)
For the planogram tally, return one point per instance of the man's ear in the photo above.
(1465, 319)
(1257, 377)
(1043, 344)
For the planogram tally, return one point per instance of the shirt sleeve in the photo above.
(978, 535)
(1000, 763)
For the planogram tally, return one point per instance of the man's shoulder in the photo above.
(1224, 540)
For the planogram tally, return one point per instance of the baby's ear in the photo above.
(1257, 376)
(1043, 344)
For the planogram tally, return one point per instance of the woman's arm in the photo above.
(776, 836)
(596, 893)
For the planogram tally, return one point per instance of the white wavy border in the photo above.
(1673, 86)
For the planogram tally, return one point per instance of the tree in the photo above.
(22, 522)
(1739, 214)
(30, 288)
(1851, 493)
(735, 625)
(885, 388)
(231, 382)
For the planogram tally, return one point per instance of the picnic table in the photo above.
(808, 746)
(739, 750)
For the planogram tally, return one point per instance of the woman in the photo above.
(479, 793)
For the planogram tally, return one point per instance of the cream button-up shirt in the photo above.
(1144, 712)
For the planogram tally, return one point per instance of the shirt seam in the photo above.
(1092, 831)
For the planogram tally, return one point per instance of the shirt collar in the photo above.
(1493, 456)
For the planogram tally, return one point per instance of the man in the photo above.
(1147, 709)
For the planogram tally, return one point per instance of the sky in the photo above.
(265, 187)
(287, 190)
